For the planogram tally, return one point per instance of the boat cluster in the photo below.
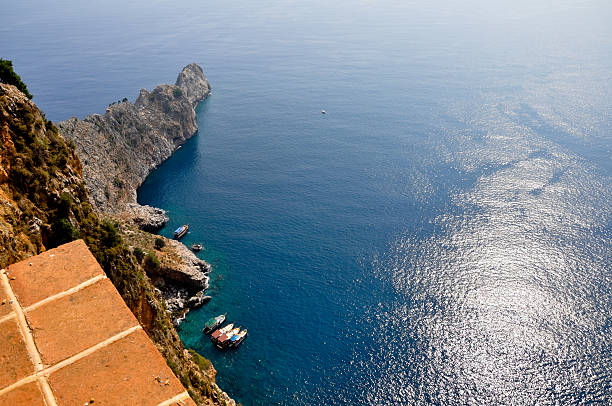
(224, 337)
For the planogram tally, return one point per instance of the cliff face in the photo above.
(44, 203)
(42, 194)
(120, 148)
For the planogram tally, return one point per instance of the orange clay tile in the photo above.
(26, 395)
(71, 324)
(127, 372)
(5, 308)
(76, 335)
(15, 363)
(52, 272)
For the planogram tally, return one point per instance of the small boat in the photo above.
(223, 340)
(237, 339)
(323, 112)
(181, 231)
(197, 247)
(218, 333)
(213, 323)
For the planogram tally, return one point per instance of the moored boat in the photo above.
(218, 333)
(197, 247)
(181, 231)
(237, 339)
(213, 323)
(223, 340)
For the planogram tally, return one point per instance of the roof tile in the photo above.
(15, 362)
(71, 324)
(52, 272)
(127, 372)
(26, 395)
(71, 333)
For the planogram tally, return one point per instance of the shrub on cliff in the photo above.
(110, 236)
(151, 262)
(159, 243)
(8, 75)
(63, 232)
(138, 253)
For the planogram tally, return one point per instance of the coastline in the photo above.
(38, 217)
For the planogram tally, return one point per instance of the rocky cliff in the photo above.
(120, 148)
(42, 194)
(44, 202)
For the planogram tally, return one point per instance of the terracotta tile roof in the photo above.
(67, 338)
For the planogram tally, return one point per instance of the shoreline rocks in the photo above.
(147, 218)
(177, 273)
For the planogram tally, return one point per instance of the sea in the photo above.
(441, 236)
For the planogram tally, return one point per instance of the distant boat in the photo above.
(237, 339)
(181, 231)
(323, 112)
(213, 323)
(197, 247)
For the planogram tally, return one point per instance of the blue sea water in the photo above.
(441, 236)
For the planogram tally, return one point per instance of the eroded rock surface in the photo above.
(120, 148)
(145, 217)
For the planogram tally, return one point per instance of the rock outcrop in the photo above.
(179, 275)
(193, 84)
(145, 217)
(120, 148)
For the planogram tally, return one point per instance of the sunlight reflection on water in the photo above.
(507, 303)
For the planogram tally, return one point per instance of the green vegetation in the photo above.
(8, 75)
(177, 92)
(109, 236)
(151, 262)
(159, 243)
(118, 182)
(138, 253)
(63, 231)
(125, 99)
(202, 362)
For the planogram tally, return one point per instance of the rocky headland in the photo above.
(120, 148)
